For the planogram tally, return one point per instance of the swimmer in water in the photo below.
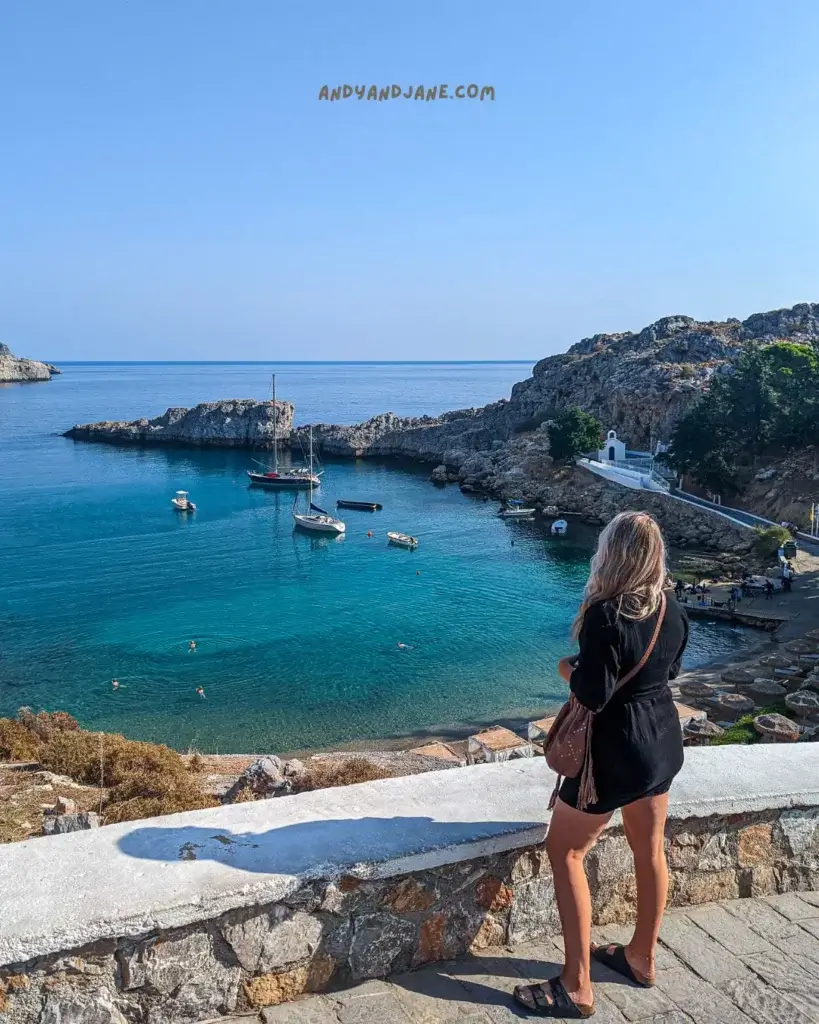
(191, 645)
(404, 647)
(200, 691)
(115, 684)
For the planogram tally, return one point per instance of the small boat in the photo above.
(559, 528)
(182, 503)
(291, 479)
(515, 510)
(360, 506)
(403, 540)
(316, 519)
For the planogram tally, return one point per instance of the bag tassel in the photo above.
(588, 790)
(553, 797)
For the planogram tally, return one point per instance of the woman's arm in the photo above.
(566, 666)
(597, 671)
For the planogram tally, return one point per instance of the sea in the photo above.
(302, 642)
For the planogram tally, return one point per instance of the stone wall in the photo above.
(321, 917)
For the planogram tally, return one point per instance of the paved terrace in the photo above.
(751, 961)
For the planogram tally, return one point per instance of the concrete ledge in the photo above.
(63, 892)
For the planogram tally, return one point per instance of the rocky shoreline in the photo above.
(638, 383)
(15, 369)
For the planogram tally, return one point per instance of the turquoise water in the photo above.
(297, 636)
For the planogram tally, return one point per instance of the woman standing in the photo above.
(627, 622)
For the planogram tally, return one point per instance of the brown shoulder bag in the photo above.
(568, 745)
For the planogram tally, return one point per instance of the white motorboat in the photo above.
(182, 503)
(559, 528)
(294, 478)
(316, 519)
(402, 540)
(515, 510)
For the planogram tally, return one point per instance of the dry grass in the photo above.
(25, 795)
(139, 780)
(326, 773)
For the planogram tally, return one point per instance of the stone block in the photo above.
(273, 940)
(763, 1003)
(712, 962)
(703, 1003)
(378, 942)
(760, 916)
(792, 907)
(493, 894)
(785, 975)
(533, 914)
(60, 824)
(610, 860)
(429, 996)
(373, 1003)
(277, 987)
(692, 888)
(728, 930)
(185, 971)
(409, 895)
(754, 845)
(80, 1006)
(316, 1010)
(800, 831)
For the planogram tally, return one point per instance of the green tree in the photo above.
(574, 433)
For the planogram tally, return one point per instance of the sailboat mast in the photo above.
(311, 466)
(275, 432)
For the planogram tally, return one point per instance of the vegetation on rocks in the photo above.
(769, 403)
(137, 780)
(574, 433)
(770, 540)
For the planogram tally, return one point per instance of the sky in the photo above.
(172, 187)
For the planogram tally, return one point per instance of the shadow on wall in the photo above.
(319, 845)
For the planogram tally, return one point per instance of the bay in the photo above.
(297, 636)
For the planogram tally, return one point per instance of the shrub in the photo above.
(326, 773)
(743, 731)
(141, 780)
(769, 540)
(573, 433)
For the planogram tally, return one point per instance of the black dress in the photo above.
(637, 746)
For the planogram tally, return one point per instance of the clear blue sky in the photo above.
(171, 187)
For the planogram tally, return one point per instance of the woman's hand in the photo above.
(566, 666)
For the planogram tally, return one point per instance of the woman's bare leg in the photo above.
(644, 825)
(571, 835)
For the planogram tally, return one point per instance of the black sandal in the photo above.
(613, 956)
(558, 1003)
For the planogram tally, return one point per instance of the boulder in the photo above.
(806, 645)
(733, 705)
(58, 824)
(766, 690)
(63, 805)
(699, 732)
(696, 691)
(777, 729)
(439, 475)
(775, 660)
(803, 703)
(263, 779)
(739, 676)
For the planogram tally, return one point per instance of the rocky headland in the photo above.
(14, 369)
(639, 383)
(234, 423)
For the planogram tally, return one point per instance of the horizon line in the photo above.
(287, 362)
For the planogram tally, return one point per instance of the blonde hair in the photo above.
(628, 567)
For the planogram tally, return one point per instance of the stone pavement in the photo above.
(750, 961)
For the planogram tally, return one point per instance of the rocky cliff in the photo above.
(641, 383)
(638, 383)
(235, 423)
(13, 369)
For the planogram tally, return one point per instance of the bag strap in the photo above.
(652, 644)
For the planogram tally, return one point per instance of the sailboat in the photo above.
(293, 478)
(316, 519)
